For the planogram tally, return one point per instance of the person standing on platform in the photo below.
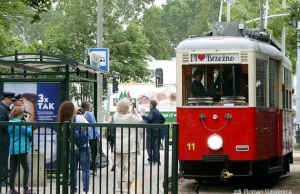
(152, 134)
(6, 101)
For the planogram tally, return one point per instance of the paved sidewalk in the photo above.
(104, 181)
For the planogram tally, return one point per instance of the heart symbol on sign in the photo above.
(201, 57)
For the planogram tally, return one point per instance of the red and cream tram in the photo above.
(248, 132)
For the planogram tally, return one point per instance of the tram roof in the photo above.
(227, 42)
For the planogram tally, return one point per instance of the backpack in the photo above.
(111, 131)
(81, 136)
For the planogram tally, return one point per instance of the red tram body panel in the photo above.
(257, 129)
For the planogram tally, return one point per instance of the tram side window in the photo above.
(286, 89)
(289, 89)
(273, 83)
(261, 82)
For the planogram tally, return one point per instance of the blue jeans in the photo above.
(82, 157)
(152, 147)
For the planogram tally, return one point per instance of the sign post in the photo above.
(99, 57)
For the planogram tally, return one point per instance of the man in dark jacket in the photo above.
(6, 101)
(152, 135)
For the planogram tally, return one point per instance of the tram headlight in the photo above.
(215, 142)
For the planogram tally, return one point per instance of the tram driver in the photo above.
(198, 89)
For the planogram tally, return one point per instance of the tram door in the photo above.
(274, 117)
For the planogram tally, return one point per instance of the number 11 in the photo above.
(191, 146)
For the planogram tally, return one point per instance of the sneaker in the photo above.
(93, 172)
(27, 191)
(13, 191)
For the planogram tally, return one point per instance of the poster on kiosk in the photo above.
(41, 103)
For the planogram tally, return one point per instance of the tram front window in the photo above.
(221, 85)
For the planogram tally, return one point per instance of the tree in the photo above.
(275, 25)
(182, 18)
(12, 10)
(73, 33)
(294, 9)
(9, 43)
(128, 10)
(28, 32)
(71, 30)
(128, 50)
(160, 47)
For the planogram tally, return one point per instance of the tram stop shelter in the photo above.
(49, 75)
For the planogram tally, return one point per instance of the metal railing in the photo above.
(28, 144)
(58, 166)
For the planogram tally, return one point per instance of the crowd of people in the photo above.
(125, 146)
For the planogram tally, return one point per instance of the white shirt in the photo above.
(127, 119)
(81, 119)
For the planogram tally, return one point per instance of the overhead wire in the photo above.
(241, 10)
(238, 8)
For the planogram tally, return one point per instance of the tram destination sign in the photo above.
(215, 58)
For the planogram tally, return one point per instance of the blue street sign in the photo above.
(99, 57)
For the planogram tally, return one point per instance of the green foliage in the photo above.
(128, 50)
(133, 30)
(13, 10)
(160, 47)
(69, 30)
(294, 10)
(70, 34)
(294, 112)
(9, 43)
(182, 18)
(128, 10)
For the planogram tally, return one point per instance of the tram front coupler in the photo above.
(225, 175)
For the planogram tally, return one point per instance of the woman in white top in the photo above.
(125, 155)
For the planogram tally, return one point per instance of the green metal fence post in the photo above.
(166, 172)
(174, 189)
(72, 157)
(65, 157)
(59, 154)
